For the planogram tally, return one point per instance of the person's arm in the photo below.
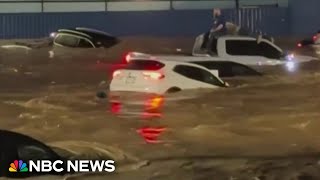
(220, 24)
(218, 28)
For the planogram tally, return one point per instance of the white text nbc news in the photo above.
(72, 166)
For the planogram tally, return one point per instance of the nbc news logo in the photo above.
(62, 166)
(18, 166)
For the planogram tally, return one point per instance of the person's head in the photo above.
(216, 12)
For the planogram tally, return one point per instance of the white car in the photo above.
(241, 49)
(152, 75)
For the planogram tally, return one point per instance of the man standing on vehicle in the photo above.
(219, 29)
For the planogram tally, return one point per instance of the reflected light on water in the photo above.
(151, 134)
(147, 110)
(115, 107)
(151, 107)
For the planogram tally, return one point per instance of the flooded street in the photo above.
(275, 116)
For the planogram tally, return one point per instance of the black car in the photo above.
(84, 38)
(15, 146)
(309, 41)
(82, 44)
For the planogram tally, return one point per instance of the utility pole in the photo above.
(237, 4)
(238, 12)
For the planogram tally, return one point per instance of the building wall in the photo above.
(304, 16)
(158, 23)
(299, 18)
(125, 5)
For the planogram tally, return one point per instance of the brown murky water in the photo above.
(261, 126)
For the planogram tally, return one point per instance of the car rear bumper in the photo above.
(151, 90)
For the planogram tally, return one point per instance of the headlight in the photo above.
(53, 34)
(289, 57)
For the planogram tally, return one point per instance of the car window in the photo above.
(34, 152)
(67, 40)
(242, 47)
(224, 68)
(269, 51)
(228, 69)
(197, 74)
(239, 70)
(144, 65)
(83, 43)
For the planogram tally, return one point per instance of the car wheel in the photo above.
(173, 90)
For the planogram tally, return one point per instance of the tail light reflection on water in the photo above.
(151, 109)
(151, 134)
(115, 107)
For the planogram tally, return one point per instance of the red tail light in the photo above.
(153, 75)
(127, 58)
(299, 45)
(116, 74)
(314, 38)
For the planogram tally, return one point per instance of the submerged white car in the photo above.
(151, 75)
(241, 49)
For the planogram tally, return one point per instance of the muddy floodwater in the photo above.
(259, 128)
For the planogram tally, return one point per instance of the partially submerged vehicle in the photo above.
(18, 149)
(222, 68)
(69, 42)
(73, 43)
(315, 40)
(241, 49)
(158, 76)
(15, 146)
(81, 37)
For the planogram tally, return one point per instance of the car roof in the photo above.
(216, 62)
(74, 32)
(236, 37)
(185, 59)
(96, 34)
(92, 31)
(170, 63)
(93, 34)
(138, 56)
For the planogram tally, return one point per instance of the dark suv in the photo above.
(69, 42)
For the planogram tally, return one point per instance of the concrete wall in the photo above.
(300, 18)
(304, 16)
(153, 23)
(125, 5)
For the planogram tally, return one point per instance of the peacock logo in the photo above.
(18, 166)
